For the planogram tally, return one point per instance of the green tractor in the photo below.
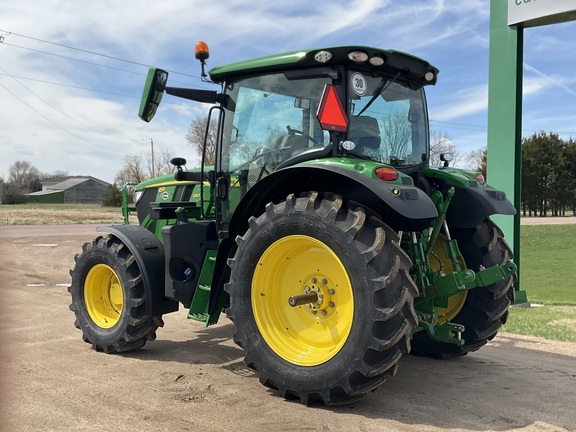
(317, 224)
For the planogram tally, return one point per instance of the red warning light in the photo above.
(331, 113)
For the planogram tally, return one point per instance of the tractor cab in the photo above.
(353, 103)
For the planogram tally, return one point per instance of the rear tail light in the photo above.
(386, 173)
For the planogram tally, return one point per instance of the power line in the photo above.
(86, 61)
(72, 58)
(478, 128)
(164, 102)
(44, 117)
(56, 109)
(70, 85)
(466, 126)
(9, 33)
(6, 73)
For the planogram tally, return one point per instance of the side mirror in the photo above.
(152, 94)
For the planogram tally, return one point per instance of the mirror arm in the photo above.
(206, 96)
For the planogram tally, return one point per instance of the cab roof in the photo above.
(410, 67)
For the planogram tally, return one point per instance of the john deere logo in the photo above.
(163, 193)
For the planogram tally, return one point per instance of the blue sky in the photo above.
(68, 109)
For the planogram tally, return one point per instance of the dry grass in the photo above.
(58, 214)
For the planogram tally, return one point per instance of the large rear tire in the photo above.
(484, 309)
(350, 335)
(109, 298)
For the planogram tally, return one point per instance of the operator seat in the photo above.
(291, 142)
(365, 133)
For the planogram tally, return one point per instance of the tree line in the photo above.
(548, 180)
(548, 175)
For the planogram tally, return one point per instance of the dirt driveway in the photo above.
(193, 379)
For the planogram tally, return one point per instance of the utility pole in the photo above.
(152, 150)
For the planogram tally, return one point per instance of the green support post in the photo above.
(505, 120)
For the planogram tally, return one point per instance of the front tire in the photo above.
(346, 340)
(484, 309)
(109, 298)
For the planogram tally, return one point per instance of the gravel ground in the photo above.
(192, 378)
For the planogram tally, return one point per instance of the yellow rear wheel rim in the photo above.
(456, 301)
(312, 333)
(103, 295)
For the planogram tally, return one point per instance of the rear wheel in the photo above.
(321, 299)
(482, 310)
(109, 299)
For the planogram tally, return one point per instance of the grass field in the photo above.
(547, 274)
(548, 257)
(41, 214)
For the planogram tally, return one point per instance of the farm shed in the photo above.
(71, 190)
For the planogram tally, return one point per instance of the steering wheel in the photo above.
(299, 132)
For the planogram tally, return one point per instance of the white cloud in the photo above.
(543, 80)
(462, 103)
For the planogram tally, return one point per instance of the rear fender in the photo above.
(402, 207)
(473, 202)
(470, 206)
(149, 254)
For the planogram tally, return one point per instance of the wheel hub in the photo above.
(317, 296)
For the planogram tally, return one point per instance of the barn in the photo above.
(70, 190)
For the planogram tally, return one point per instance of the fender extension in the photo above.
(470, 206)
(149, 254)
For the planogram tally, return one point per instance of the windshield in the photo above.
(269, 119)
(388, 121)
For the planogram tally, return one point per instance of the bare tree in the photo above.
(24, 177)
(396, 132)
(441, 142)
(196, 134)
(162, 163)
(138, 167)
(57, 173)
(132, 171)
(477, 160)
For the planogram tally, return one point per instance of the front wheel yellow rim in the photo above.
(103, 295)
(300, 266)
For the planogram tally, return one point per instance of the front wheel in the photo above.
(109, 298)
(482, 310)
(321, 299)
